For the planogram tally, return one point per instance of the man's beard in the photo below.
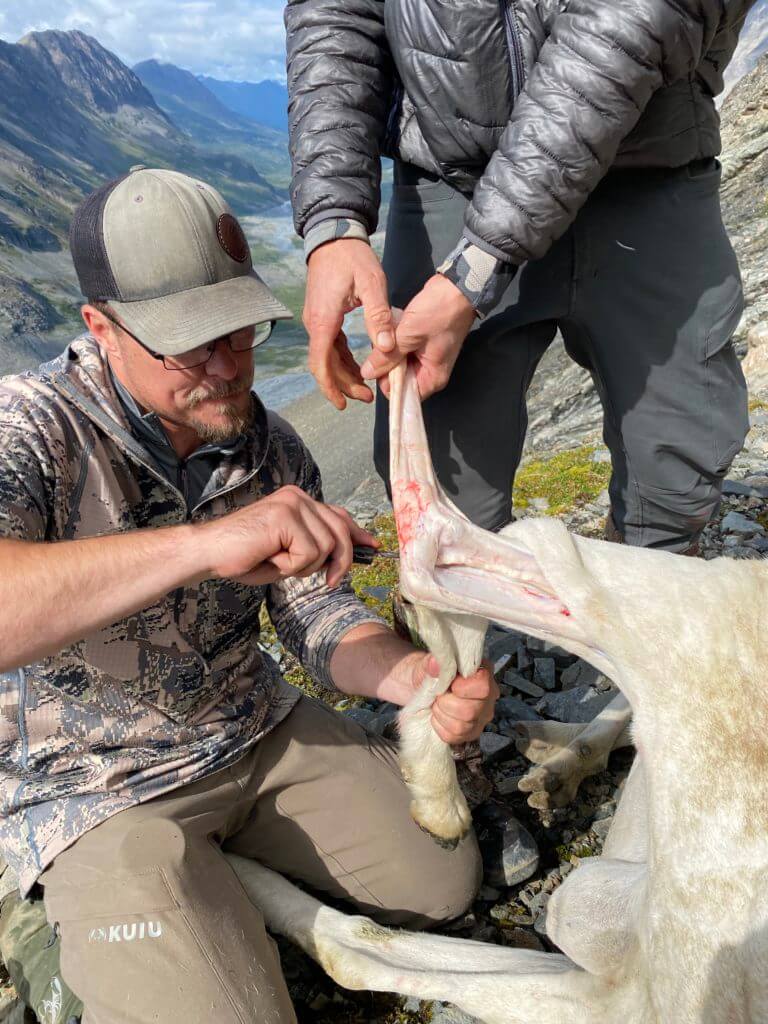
(233, 419)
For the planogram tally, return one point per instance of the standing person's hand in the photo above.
(341, 276)
(433, 328)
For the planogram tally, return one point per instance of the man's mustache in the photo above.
(223, 390)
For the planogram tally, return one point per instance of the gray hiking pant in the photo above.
(153, 922)
(646, 291)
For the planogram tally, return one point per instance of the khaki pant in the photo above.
(154, 924)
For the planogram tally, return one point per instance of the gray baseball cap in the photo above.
(171, 259)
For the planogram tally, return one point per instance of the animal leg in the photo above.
(426, 761)
(592, 917)
(493, 983)
(557, 777)
(628, 835)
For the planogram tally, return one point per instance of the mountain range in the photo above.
(215, 127)
(72, 116)
(265, 102)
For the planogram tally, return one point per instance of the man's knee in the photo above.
(436, 886)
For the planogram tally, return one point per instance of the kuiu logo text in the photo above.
(127, 932)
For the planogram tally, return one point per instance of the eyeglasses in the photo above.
(242, 340)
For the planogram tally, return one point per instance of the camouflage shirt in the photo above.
(176, 691)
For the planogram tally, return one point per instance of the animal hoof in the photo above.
(444, 844)
(447, 826)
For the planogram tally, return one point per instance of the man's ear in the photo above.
(101, 328)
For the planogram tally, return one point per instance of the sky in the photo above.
(240, 40)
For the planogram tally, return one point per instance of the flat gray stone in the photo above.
(524, 685)
(580, 704)
(524, 659)
(517, 859)
(515, 709)
(562, 657)
(495, 747)
(544, 673)
(737, 488)
(737, 523)
(502, 663)
(508, 786)
(759, 543)
(579, 674)
(759, 483)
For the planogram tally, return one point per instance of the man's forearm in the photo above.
(52, 594)
(372, 661)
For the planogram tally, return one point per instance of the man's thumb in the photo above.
(377, 313)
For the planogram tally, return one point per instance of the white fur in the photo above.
(670, 926)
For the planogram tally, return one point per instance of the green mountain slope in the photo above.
(72, 116)
(213, 128)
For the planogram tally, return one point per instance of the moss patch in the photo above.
(757, 403)
(383, 572)
(564, 480)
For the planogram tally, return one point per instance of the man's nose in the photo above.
(223, 361)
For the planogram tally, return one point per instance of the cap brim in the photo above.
(176, 323)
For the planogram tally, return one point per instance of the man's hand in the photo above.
(463, 711)
(341, 276)
(285, 534)
(433, 328)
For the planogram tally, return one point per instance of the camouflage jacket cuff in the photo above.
(332, 229)
(478, 275)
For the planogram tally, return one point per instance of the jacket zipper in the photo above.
(514, 47)
(390, 135)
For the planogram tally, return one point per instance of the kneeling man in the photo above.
(149, 507)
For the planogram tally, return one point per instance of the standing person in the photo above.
(150, 507)
(554, 168)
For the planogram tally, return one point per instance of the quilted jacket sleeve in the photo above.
(594, 76)
(339, 85)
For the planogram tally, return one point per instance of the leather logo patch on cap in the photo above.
(232, 238)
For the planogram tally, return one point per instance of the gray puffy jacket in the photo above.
(523, 105)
